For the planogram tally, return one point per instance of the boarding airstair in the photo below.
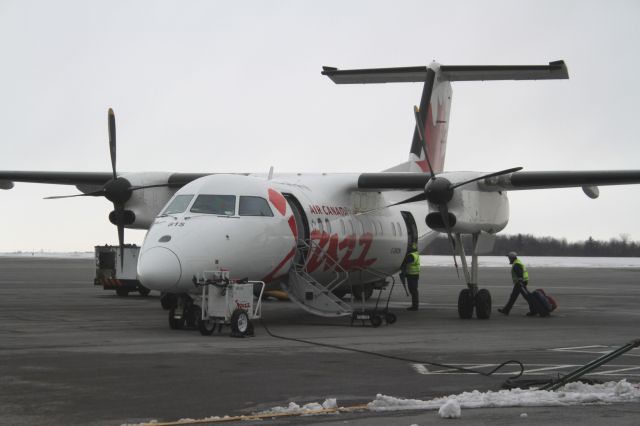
(309, 293)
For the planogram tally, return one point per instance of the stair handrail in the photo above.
(341, 274)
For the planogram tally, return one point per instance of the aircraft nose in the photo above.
(159, 269)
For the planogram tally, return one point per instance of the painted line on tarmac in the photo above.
(595, 349)
(536, 370)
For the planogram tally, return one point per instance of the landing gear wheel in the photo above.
(465, 304)
(239, 322)
(206, 326)
(390, 318)
(122, 292)
(483, 304)
(143, 291)
(175, 323)
(376, 321)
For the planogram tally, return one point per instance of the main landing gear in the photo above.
(471, 297)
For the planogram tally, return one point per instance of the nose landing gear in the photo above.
(182, 310)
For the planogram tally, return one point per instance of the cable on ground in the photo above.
(399, 358)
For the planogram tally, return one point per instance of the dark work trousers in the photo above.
(412, 283)
(517, 289)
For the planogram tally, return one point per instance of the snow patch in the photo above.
(571, 394)
(450, 410)
(450, 407)
(541, 262)
(330, 403)
(294, 408)
(52, 255)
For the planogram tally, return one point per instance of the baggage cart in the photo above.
(228, 302)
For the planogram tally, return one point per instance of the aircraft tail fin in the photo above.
(435, 103)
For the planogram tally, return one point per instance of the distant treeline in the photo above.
(529, 245)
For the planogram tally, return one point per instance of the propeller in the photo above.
(439, 190)
(118, 190)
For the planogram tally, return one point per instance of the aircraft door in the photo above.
(412, 229)
(302, 224)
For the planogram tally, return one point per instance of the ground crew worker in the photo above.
(411, 270)
(520, 278)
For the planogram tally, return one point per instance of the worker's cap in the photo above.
(512, 255)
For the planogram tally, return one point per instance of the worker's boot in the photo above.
(503, 311)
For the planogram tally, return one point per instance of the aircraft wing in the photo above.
(7, 178)
(561, 179)
(509, 182)
(81, 179)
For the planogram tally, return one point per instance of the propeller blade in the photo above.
(419, 197)
(112, 141)
(119, 208)
(97, 193)
(420, 126)
(502, 172)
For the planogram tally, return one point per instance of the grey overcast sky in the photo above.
(224, 86)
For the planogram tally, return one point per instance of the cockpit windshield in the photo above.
(215, 204)
(178, 205)
(254, 206)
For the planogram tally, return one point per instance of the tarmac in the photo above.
(73, 354)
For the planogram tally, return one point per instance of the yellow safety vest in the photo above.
(413, 268)
(525, 274)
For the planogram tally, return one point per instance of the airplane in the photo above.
(316, 235)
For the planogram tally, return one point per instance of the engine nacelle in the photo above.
(145, 204)
(472, 210)
(126, 217)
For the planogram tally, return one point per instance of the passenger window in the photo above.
(326, 222)
(399, 230)
(393, 229)
(178, 205)
(342, 227)
(353, 230)
(254, 206)
(380, 227)
(215, 204)
(320, 227)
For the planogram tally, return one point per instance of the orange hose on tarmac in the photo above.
(262, 416)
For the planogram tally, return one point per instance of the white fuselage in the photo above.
(252, 226)
(184, 243)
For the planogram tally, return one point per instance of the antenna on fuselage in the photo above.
(270, 173)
